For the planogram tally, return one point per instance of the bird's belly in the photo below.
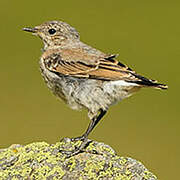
(97, 94)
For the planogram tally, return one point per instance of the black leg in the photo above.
(83, 138)
(91, 126)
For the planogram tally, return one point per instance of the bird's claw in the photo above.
(76, 150)
(71, 153)
(80, 138)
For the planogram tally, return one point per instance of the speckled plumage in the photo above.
(82, 76)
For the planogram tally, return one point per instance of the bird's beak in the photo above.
(32, 30)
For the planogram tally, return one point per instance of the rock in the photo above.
(40, 160)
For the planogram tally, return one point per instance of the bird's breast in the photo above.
(52, 80)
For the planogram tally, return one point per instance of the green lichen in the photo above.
(123, 161)
(14, 178)
(148, 175)
(43, 161)
(56, 170)
(92, 167)
(91, 147)
(72, 163)
(107, 149)
(108, 172)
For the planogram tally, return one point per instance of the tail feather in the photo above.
(160, 86)
(148, 82)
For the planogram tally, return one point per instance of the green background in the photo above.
(146, 34)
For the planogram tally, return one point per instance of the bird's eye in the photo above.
(52, 31)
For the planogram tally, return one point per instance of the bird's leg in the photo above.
(83, 138)
(91, 126)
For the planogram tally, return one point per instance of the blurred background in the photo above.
(145, 34)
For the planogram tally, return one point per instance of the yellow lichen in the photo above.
(41, 160)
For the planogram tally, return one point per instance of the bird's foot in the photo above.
(79, 138)
(76, 147)
(69, 154)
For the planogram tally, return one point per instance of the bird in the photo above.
(83, 76)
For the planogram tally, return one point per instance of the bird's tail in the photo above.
(143, 81)
(159, 86)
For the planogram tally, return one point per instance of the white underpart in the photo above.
(123, 83)
(118, 86)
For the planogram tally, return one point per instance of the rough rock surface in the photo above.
(38, 161)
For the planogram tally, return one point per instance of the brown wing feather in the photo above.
(103, 67)
(78, 64)
(70, 62)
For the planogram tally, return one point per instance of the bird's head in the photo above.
(54, 33)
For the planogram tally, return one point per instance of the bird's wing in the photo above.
(70, 62)
(80, 64)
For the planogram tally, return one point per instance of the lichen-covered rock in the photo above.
(38, 161)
